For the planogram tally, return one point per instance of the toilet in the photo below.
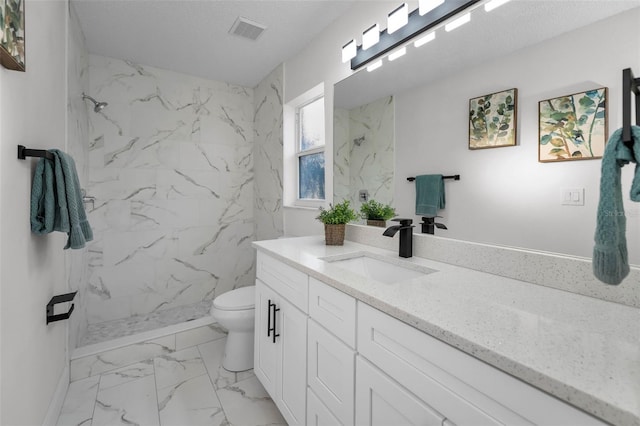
(235, 311)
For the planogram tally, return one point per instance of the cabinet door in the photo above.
(265, 358)
(291, 385)
(382, 401)
(331, 373)
(318, 414)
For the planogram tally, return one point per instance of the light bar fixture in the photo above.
(349, 51)
(458, 22)
(397, 54)
(425, 39)
(398, 18)
(370, 36)
(494, 4)
(403, 26)
(426, 6)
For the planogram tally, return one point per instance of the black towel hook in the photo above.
(630, 85)
(24, 152)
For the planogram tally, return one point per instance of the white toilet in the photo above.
(235, 311)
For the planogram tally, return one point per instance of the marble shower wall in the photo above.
(268, 119)
(171, 167)
(78, 147)
(364, 152)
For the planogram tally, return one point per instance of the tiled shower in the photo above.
(170, 166)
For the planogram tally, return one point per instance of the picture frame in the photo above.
(573, 127)
(493, 120)
(12, 28)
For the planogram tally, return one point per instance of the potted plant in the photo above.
(335, 219)
(377, 213)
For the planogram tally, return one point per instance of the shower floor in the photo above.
(109, 330)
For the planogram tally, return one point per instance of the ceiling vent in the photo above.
(246, 28)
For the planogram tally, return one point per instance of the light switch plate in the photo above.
(572, 196)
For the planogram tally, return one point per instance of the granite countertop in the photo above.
(580, 349)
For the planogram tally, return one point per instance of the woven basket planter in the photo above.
(376, 222)
(334, 234)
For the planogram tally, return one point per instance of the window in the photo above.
(310, 150)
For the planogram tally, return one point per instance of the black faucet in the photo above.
(406, 236)
(429, 224)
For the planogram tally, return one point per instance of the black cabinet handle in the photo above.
(274, 322)
(269, 329)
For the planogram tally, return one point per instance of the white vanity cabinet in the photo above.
(281, 336)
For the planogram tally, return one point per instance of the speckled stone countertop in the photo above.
(582, 350)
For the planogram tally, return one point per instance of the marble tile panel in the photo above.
(215, 157)
(122, 280)
(191, 402)
(122, 184)
(99, 310)
(156, 214)
(117, 358)
(186, 294)
(200, 335)
(247, 403)
(132, 403)
(77, 409)
(121, 247)
(268, 218)
(212, 354)
(176, 367)
(127, 374)
(151, 152)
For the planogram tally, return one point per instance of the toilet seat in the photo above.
(236, 300)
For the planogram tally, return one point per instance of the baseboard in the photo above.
(58, 399)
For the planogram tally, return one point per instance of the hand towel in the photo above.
(429, 195)
(56, 200)
(610, 257)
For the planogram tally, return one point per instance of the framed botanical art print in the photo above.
(492, 120)
(12, 34)
(573, 127)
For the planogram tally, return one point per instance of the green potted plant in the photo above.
(377, 213)
(335, 219)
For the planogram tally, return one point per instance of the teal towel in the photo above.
(429, 195)
(610, 257)
(56, 200)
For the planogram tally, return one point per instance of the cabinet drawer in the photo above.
(464, 389)
(290, 283)
(334, 310)
(331, 372)
(381, 401)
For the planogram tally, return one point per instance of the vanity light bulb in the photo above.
(458, 22)
(494, 4)
(397, 19)
(426, 39)
(349, 51)
(398, 53)
(371, 36)
(426, 6)
(374, 66)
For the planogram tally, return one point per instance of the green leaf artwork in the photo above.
(492, 120)
(12, 34)
(573, 127)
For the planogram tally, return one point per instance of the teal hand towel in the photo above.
(56, 200)
(429, 195)
(610, 257)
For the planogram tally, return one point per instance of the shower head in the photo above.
(97, 106)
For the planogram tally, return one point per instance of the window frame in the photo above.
(309, 202)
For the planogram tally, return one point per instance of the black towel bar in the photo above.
(629, 85)
(24, 152)
(454, 177)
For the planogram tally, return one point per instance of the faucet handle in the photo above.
(403, 222)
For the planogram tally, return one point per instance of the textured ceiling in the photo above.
(513, 26)
(192, 36)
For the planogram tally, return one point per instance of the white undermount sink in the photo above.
(379, 268)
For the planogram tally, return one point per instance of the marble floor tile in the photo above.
(78, 405)
(212, 354)
(178, 366)
(246, 403)
(126, 374)
(199, 335)
(191, 402)
(133, 403)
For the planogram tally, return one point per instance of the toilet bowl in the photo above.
(235, 311)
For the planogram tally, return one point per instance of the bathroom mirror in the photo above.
(505, 196)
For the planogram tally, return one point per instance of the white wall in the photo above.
(32, 268)
(505, 196)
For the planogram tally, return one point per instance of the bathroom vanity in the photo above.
(355, 335)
